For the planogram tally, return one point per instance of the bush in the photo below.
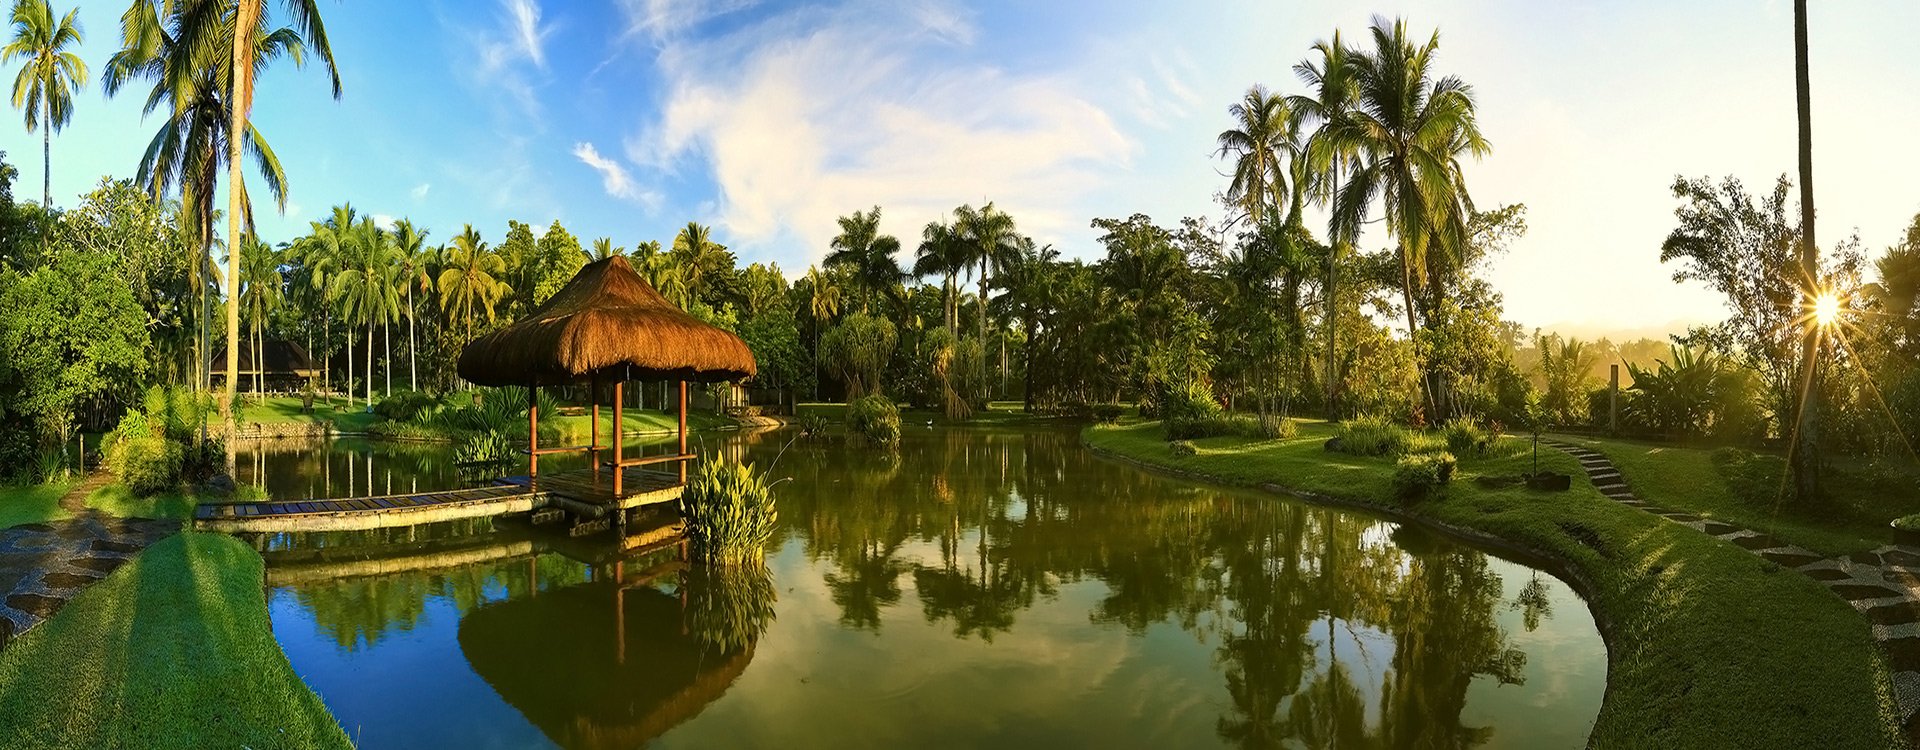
(1907, 523)
(395, 430)
(482, 448)
(1107, 413)
(146, 464)
(729, 513)
(1274, 427)
(406, 407)
(1373, 436)
(1193, 401)
(1420, 475)
(1755, 479)
(1181, 448)
(813, 424)
(1216, 426)
(1464, 438)
(875, 418)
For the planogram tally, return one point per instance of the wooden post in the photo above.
(593, 397)
(618, 448)
(533, 431)
(683, 430)
(1613, 401)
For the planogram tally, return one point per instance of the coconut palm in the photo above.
(1330, 81)
(367, 287)
(867, 255)
(823, 303)
(44, 88)
(321, 253)
(990, 239)
(250, 21)
(704, 265)
(260, 282)
(470, 275)
(1410, 130)
(1805, 454)
(409, 245)
(603, 249)
(1259, 143)
(1028, 282)
(942, 253)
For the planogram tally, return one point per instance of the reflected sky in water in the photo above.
(983, 587)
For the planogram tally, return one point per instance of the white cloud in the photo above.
(659, 19)
(383, 221)
(804, 117)
(613, 176)
(419, 191)
(529, 35)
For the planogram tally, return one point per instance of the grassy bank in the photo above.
(997, 412)
(1708, 645)
(1854, 519)
(171, 650)
(34, 503)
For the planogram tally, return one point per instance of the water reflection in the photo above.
(1154, 611)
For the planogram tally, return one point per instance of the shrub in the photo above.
(1753, 478)
(729, 513)
(395, 430)
(1419, 475)
(1181, 448)
(406, 407)
(1193, 401)
(1464, 438)
(875, 418)
(482, 448)
(1206, 427)
(813, 424)
(1107, 413)
(1907, 523)
(1373, 436)
(146, 464)
(1275, 427)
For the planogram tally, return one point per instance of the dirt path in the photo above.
(1883, 585)
(43, 565)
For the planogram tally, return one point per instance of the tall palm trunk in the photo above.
(386, 365)
(241, 100)
(350, 368)
(413, 358)
(982, 373)
(369, 388)
(46, 156)
(1406, 297)
(1806, 451)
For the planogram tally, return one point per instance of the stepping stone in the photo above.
(1682, 517)
(1863, 592)
(1755, 542)
(1906, 558)
(1788, 558)
(102, 564)
(1825, 575)
(1864, 558)
(1718, 528)
(64, 580)
(38, 528)
(38, 605)
(109, 545)
(1893, 614)
(1902, 653)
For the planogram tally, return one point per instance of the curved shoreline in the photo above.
(1700, 652)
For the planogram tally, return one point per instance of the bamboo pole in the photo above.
(683, 430)
(533, 431)
(619, 451)
(593, 397)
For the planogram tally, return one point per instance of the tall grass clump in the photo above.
(875, 418)
(157, 444)
(1419, 475)
(1466, 438)
(1372, 436)
(728, 509)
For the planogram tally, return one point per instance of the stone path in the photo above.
(1883, 584)
(42, 565)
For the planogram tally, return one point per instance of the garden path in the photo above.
(1883, 585)
(43, 565)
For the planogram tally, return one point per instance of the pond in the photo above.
(983, 587)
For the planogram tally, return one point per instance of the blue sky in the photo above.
(768, 119)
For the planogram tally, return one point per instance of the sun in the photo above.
(1826, 309)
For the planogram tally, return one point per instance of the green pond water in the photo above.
(982, 588)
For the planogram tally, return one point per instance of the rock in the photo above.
(1333, 444)
(220, 485)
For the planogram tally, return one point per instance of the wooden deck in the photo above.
(508, 495)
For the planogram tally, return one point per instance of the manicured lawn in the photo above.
(116, 499)
(287, 409)
(1686, 478)
(578, 428)
(37, 503)
(997, 412)
(171, 650)
(1708, 645)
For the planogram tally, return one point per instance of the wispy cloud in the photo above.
(658, 20)
(420, 191)
(613, 176)
(526, 23)
(807, 116)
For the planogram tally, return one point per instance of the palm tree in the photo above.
(44, 88)
(471, 274)
(1331, 83)
(824, 303)
(1029, 285)
(942, 253)
(1410, 130)
(250, 20)
(603, 249)
(867, 255)
(990, 239)
(260, 279)
(366, 290)
(1261, 138)
(322, 252)
(1805, 453)
(409, 245)
(701, 261)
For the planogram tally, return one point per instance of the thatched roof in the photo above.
(606, 321)
(283, 358)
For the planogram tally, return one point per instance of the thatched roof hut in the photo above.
(610, 324)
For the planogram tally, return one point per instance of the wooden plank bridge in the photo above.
(585, 494)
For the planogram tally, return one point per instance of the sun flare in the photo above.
(1826, 309)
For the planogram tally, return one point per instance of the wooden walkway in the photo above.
(573, 490)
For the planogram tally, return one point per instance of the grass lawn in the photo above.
(997, 412)
(286, 409)
(1687, 479)
(573, 429)
(1708, 646)
(36, 503)
(116, 499)
(171, 650)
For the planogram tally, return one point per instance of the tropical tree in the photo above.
(823, 302)
(942, 253)
(1410, 130)
(367, 288)
(603, 249)
(260, 279)
(1029, 284)
(990, 239)
(409, 247)
(1327, 157)
(53, 71)
(867, 255)
(1804, 457)
(1260, 144)
(249, 23)
(705, 266)
(321, 254)
(470, 275)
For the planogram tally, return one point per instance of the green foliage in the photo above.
(1276, 427)
(146, 464)
(875, 418)
(1181, 448)
(157, 444)
(73, 334)
(1220, 425)
(729, 607)
(1372, 436)
(1466, 438)
(1755, 479)
(1695, 393)
(729, 512)
(1421, 474)
(813, 424)
(773, 336)
(1107, 413)
(1564, 364)
(482, 448)
(1907, 523)
(858, 348)
(406, 406)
